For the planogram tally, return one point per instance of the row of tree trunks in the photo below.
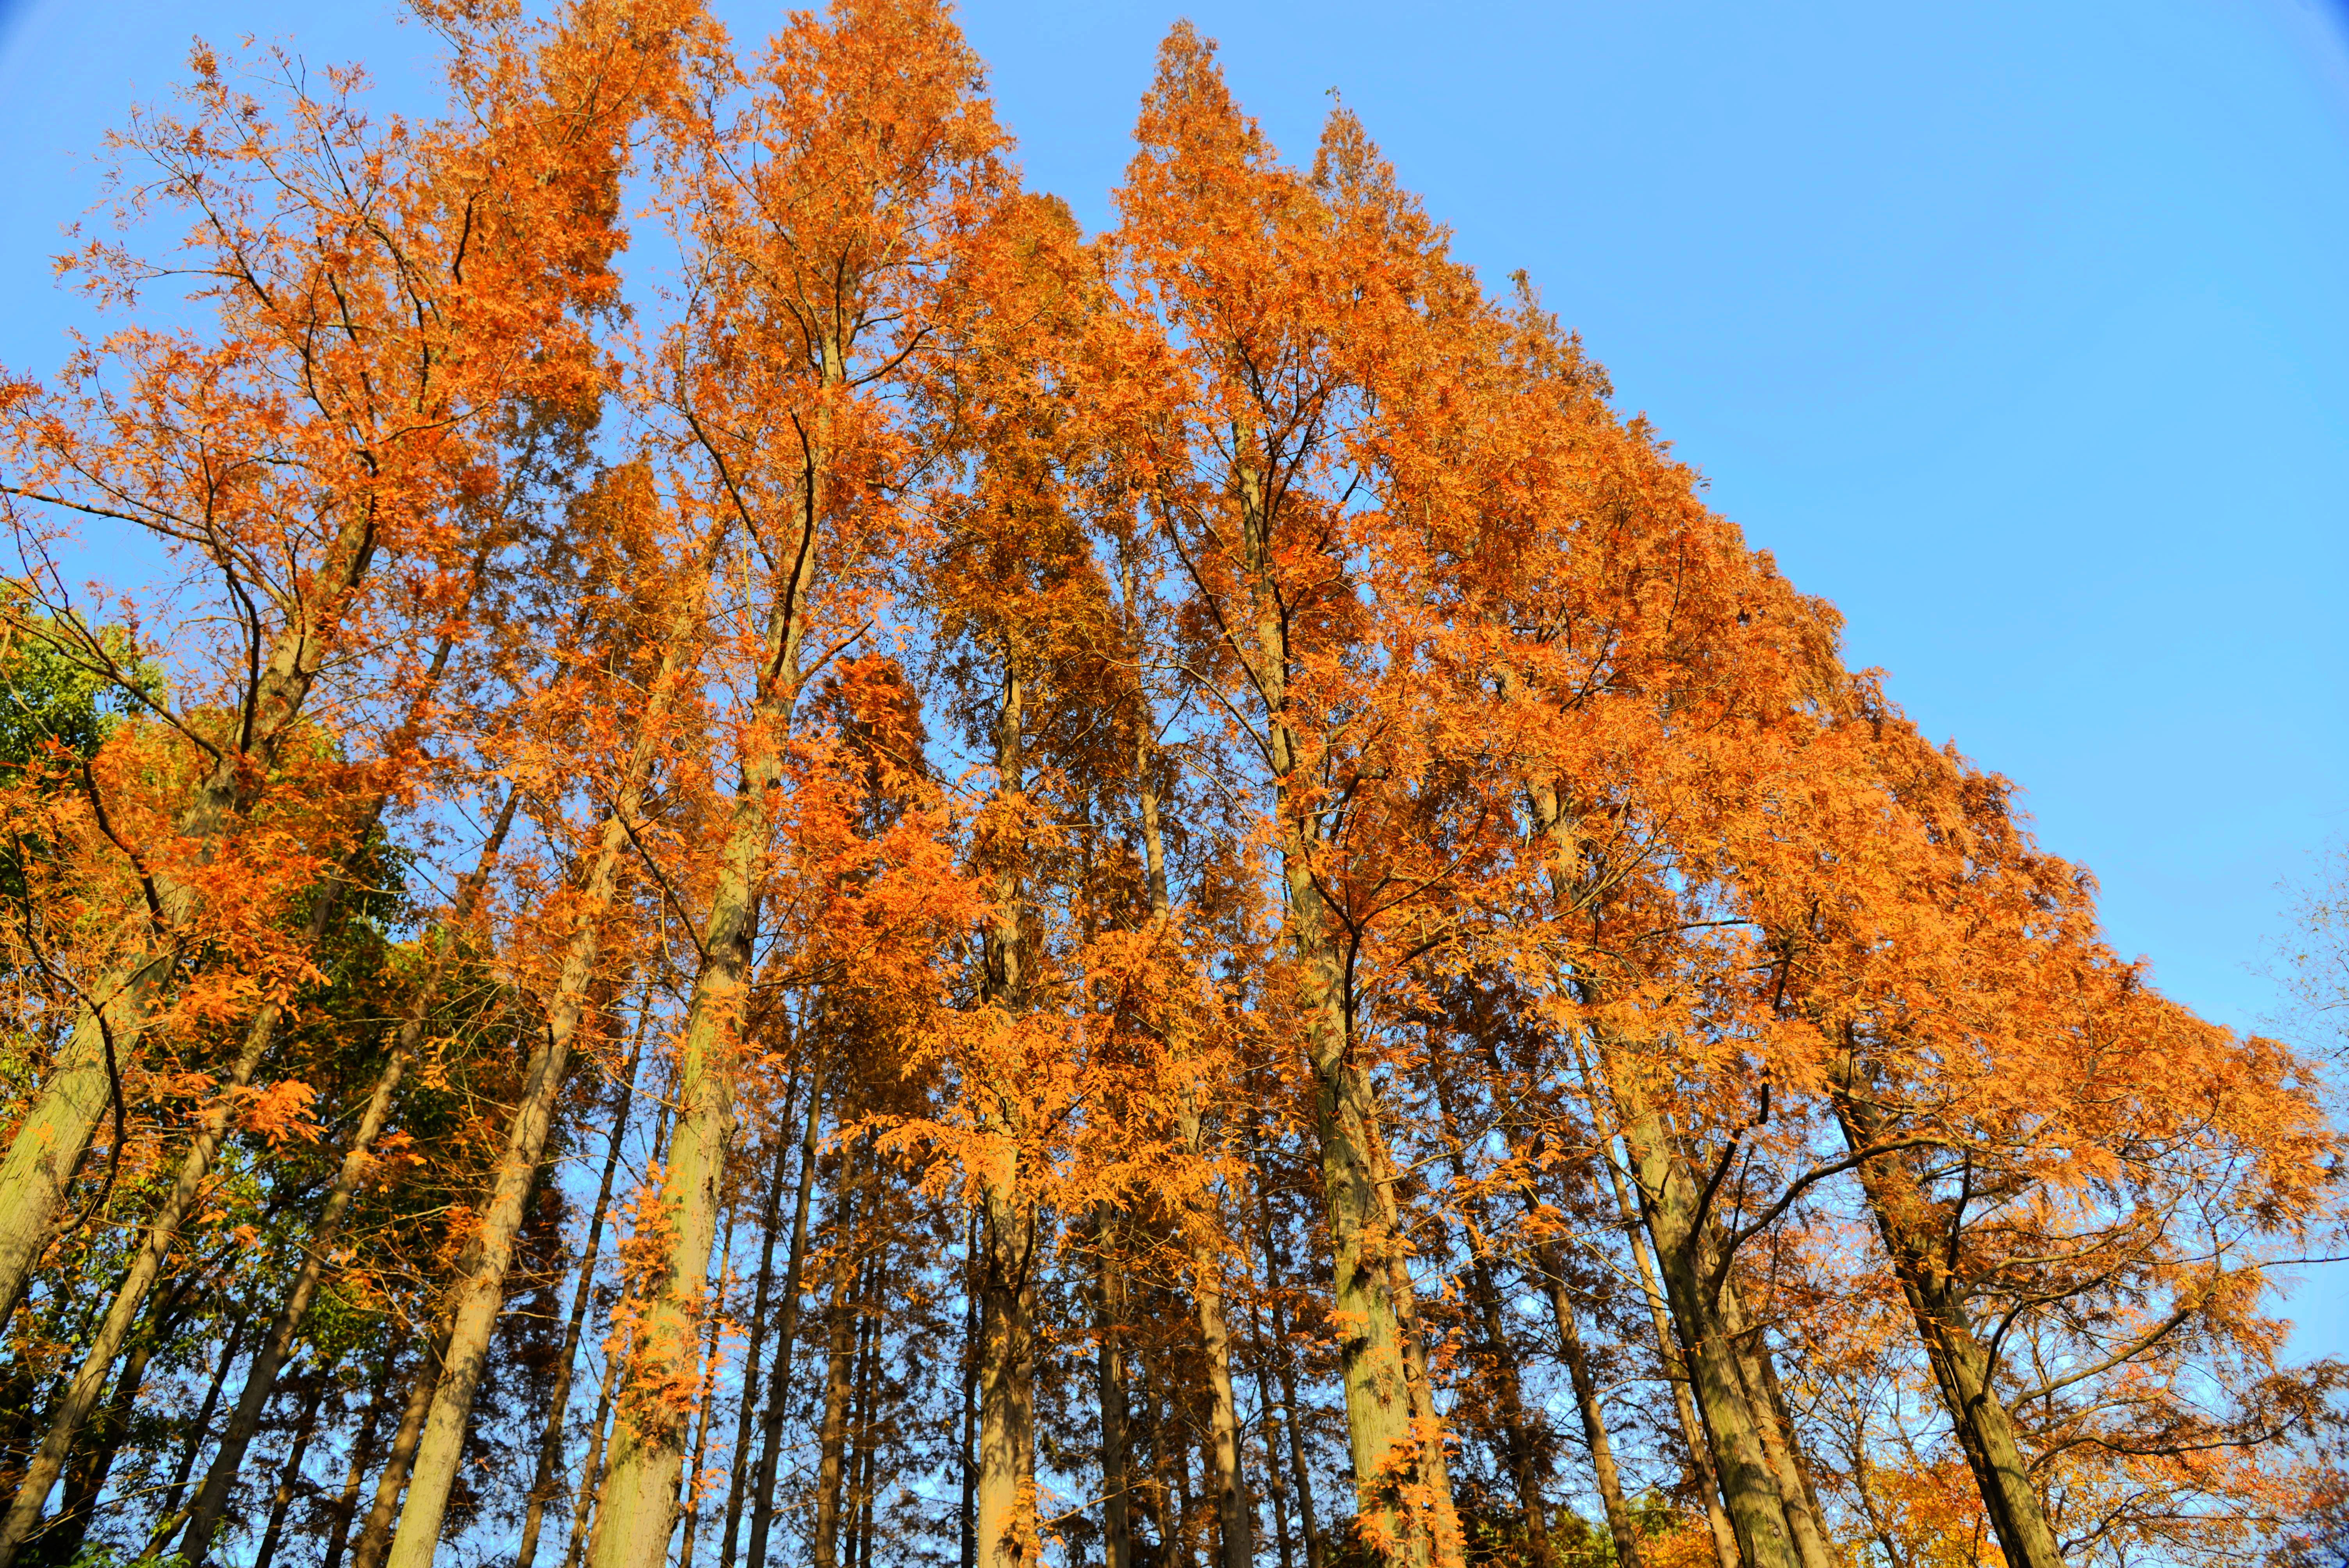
(277, 1345)
(480, 1289)
(544, 1488)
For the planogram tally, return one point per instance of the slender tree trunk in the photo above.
(1403, 1496)
(289, 1481)
(839, 1346)
(1621, 1526)
(168, 1519)
(62, 1540)
(1284, 1365)
(147, 1265)
(1109, 1362)
(1674, 1363)
(865, 1428)
(779, 1389)
(1517, 1426)
(1916, 1239)
(1508, 1388)
(1235, 1509)
(374, 1536)
(48, 1143)
(967, 1518)
(1669, 1196)
(590, 1470)
(1005, 1503)
(1781, 1444)
(691, 1488)
(648, 1442)
(358, 1159)
(480, 1287)
(747, 1410)
(1268, 1433)
(543, 1485)
(347, 1507)
(1671, 1199)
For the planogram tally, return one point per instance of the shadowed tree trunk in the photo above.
(779, 1387)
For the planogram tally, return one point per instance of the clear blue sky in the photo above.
(2019, 330)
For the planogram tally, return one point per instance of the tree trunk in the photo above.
(1285, 1365)
(543, 1485)
(779, 1389)
(865, 1427)
(1006, 1411)
(1781, 1444)
(61, 1543)
(1669, 1197)
(648, 1441)
(1916, 1238)
(1268, 1433)
(840, 1344)
(48, 1143)
(590, 1470)
(347, 1507)
(1621, 1527)
(168, 1519)
(357, 1158)
(1674, 1363)
(481, 1286)
(1005, 1503)
(1109, 1366)
(1403, 1496)
(747, 1410)
(289, 1481)
(375, 1537)
(1517, 1436)
(967, 1516)
(692, 1482)
(1235, 1509)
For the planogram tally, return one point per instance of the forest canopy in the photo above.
(795, 866)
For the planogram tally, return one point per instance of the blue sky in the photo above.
(2020, 331)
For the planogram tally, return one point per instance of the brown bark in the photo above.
(167, 1518)
(866, 1425)
(342, 1517)
(1621, 1527)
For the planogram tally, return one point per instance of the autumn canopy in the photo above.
(798, 868)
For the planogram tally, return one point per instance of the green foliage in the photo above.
(56, 706)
